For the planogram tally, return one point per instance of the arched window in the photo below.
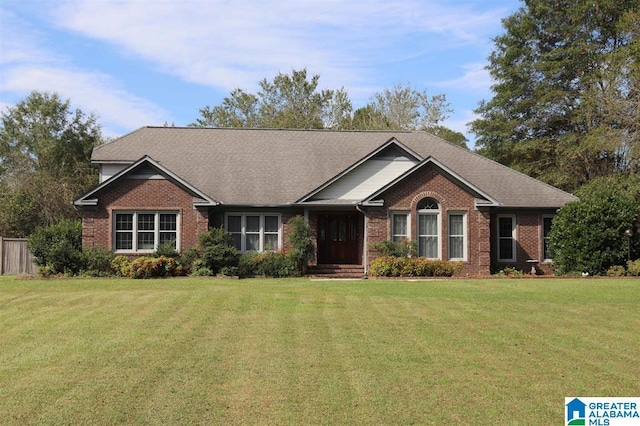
(428, 228)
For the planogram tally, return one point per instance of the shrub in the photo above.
(509, 271)
(97, 262)
(588, 235)
(166, 249)
(216, 251)
(269, 264)
(616, 271)
(121, 265)
(390, 266)
(633, 268)
(390, 248)
(300, 240)
(153, 267)
(58, 246)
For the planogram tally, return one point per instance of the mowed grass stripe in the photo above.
(208, 351)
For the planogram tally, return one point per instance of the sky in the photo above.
(150, 62)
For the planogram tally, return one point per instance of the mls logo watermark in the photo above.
(592, 411)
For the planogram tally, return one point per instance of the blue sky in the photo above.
(147, 62)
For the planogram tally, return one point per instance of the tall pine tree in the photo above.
(566, 92)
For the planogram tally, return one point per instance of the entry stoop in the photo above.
(336, 271)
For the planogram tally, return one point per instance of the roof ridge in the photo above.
(280, 129)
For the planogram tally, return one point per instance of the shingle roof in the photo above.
(264, 167)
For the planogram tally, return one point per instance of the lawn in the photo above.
(259, 351)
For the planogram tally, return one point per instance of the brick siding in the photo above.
(142, 195)
(429, 182)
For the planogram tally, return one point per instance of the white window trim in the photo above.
(408, 217)
(465, 233)
(436, 213)
(544, 216)
(243, 227)
(513, 237)
(156, 230)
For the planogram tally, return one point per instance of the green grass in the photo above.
(207, 351)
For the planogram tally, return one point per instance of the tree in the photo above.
(45, 150)
(565, 104)
(589, 235)
(289, 101)
(403, 108)
(449, 135)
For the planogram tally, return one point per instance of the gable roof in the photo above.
(482, 198)
(200, 198)
(272, 167)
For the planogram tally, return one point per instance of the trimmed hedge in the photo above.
(391, 266)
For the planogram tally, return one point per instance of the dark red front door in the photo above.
(338, 238)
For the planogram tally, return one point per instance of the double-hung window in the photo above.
(254, 232)
(507, 238)
(144, 231)
(400, 226)
(429, 228)
(457, 236)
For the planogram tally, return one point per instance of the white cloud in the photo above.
(26, 66)
(224, 44)
(93, 92)
(475, 77)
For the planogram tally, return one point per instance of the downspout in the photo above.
(365, 243)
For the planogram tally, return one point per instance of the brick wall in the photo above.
(429, 182)
(529, 244)
(140, 195)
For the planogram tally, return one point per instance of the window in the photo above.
(546, 230)
(144, 231)
(507, 238)
(429, 228)
(254, 232)
(400, 226)
(457, 236)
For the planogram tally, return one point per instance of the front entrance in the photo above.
(338, 236)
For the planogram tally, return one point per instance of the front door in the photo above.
(338, 238)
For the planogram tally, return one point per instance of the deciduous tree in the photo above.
(45, 150)
(289, 101)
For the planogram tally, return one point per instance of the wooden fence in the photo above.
(15, 257)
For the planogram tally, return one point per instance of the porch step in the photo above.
(336, 271)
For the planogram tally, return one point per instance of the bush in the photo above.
(121, 265)
(616, 271)
(633, 268)
(59, 247)
(166, 249)
(153, 267)
(509, 271)
(300, 240)
(216, 251)
(390, 266)
(588, 235)
(97, 262)
(276, 265)
(390, 248)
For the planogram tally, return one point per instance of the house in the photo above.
(162, 184)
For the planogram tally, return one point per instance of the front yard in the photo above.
(259, 351)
